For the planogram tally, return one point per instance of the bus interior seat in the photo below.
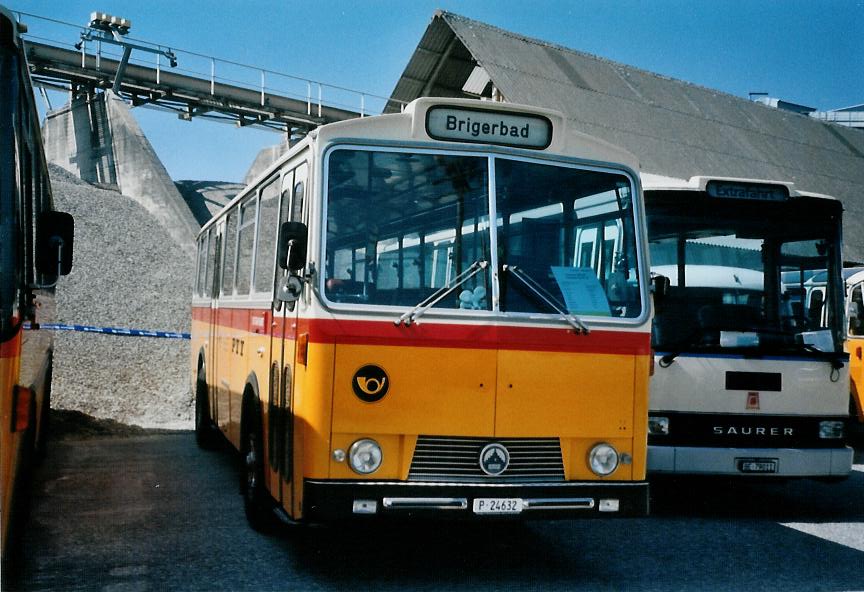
(814, 313)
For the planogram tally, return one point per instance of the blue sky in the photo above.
(804, 51)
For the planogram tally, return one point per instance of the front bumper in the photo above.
(332, 500)
(790, 462)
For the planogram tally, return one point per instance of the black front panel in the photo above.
(740, 431)
(754, 381)
(325, 501)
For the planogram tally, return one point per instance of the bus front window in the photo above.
(401, 225)
(570, 231)
(737, 282)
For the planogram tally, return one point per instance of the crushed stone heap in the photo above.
(127, 272)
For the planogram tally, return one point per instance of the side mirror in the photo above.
(55, 233)
(660, 287)
(293, 237)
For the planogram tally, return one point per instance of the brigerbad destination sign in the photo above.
(489, 127)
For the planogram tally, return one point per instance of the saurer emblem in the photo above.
(494, 459)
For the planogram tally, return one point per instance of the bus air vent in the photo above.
(451, 458)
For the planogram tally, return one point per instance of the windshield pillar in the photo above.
(494, 253)
(771, 263)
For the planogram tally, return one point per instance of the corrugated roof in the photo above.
(677, 129)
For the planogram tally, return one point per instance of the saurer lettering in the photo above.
(752, 431)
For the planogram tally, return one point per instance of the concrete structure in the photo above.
(97, 139)
(264, 159)
(206, 198)
(677, 129)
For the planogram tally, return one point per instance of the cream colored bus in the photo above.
(751, 374)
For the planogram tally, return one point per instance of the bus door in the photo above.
(855, 341)
(214, 281)
(557, 370)
(283, 346)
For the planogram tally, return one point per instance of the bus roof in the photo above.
(652, 182)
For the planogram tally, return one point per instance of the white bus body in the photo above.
(751, 377)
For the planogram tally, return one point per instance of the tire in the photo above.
(257, 502)
(205, 431)
(45, 418)
(855, 433)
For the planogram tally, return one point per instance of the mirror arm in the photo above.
(288, 255)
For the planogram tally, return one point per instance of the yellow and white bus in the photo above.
(855, 339)
(397, 318)
(35, 248)
(751, 375)
(815, 290)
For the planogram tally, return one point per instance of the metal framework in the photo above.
(85, 70)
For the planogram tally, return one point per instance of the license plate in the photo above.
(757, 465)
(497, 505)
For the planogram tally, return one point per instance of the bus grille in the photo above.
(451, 458)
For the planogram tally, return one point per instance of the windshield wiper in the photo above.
(667, 359)
(441, 293)
(836, 359)
(545, 296)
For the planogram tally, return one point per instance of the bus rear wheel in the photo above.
(256, 499)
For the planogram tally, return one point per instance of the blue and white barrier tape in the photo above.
(111, 331)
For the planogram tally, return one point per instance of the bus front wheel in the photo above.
(205, 432)
(256, 498)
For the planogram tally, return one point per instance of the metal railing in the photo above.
(316, 94)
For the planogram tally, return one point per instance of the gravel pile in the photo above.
(127, 272)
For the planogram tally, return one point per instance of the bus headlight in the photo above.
(603, 459)
(831, 429)
(365, 456)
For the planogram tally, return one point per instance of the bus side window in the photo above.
(202, 265)
(211, 260)
(299, 193)
(230, 242)
(856, 311)
(245, 244)
(285, 206)
(265, 249)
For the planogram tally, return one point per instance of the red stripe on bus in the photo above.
(11, 348)
(478, 337)
(488, 336)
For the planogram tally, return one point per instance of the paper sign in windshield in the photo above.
(582, 291)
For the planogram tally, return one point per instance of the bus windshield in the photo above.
(741, 274)
(403, 225)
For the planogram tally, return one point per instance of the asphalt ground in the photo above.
(150, 511)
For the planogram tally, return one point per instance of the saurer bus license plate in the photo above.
(757, 465)
(497, 505)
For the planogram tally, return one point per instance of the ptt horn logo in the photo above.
(370, 383)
